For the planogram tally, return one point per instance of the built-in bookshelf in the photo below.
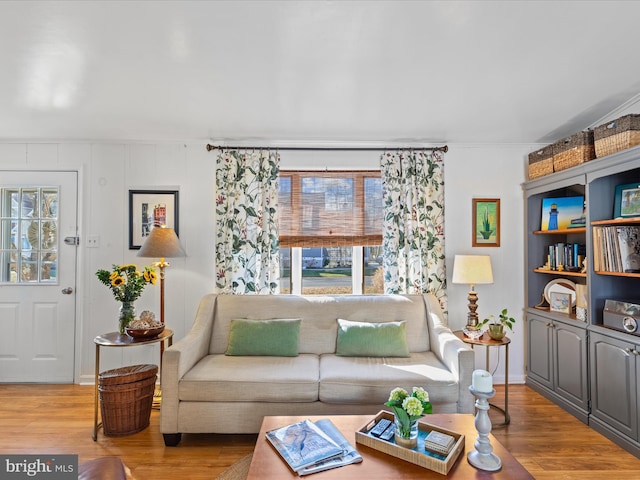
(585, 366)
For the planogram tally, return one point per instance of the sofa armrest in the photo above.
(180, 357)
(457, 356)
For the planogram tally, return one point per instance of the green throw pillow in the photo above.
(363, 339)
(274, 338)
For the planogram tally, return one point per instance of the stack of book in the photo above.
(616, 248)
(310, 447)
(569, 256)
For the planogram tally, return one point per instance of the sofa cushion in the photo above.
(352, 379)
(364, 339)
(274, 337)
(221, 378)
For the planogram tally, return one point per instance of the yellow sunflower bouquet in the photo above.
(126, 283)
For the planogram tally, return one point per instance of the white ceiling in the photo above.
(324, 72)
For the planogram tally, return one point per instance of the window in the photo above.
(28, 235)
(330, 231)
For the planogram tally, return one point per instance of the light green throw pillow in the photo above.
(275, 337)
(364, 339)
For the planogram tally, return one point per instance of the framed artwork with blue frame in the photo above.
(627, 201)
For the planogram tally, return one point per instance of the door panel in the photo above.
(37, 211)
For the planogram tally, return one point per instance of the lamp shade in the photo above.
(162, 242)
(472, 269)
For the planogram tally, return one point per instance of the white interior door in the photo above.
(38, 222)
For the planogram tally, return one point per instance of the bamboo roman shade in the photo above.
(330, 209)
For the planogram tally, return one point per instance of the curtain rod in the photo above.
(444, 148)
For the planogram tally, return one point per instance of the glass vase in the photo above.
(127, 314)
(406, 435)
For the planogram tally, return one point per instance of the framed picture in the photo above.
(627, 201)
(563, 213)
(560, 302)
(486, 222)
(148, 209)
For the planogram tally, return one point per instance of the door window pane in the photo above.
(28, 235)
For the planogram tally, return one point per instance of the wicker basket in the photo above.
(574, 150)
(126, 397)
(541, 162)
(618, 135)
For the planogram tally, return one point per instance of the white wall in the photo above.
(489, 171)
(109, 170)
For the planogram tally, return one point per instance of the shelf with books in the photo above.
(618, 274)
(616, 248)
(617, 221)
(564, 231)
(560, 273)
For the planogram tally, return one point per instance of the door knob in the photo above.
(67, 291)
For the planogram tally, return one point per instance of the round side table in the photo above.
(115, 339)
(486, 341)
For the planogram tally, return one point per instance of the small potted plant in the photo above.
(496, 327)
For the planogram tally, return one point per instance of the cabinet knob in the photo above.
(550, 325)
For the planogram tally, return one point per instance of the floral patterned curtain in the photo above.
(247, 249)
(413, 232)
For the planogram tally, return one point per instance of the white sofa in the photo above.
(206, 391)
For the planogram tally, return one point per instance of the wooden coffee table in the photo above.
(268, 465)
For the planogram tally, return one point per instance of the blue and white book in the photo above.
(303, 444)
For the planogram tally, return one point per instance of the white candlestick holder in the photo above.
(483, 457)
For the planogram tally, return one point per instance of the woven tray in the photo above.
(418, 455)
(574, 150)
(620, 134)
(541, 162)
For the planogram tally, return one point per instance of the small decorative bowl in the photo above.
(145, 332)
(473, 334)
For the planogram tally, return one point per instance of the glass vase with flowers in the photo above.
(407, 409)
(126, 283)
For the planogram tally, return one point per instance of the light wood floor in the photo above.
(37, 419)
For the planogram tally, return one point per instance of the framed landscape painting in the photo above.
(627, 201)
(149, 209)
(486, 222)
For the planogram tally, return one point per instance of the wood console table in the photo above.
(115, 339)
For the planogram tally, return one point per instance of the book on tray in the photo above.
(310, 447)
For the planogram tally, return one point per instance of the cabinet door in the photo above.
(570, 362)
(613, 383)
(540, 350)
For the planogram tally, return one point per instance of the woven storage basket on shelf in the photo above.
(126, 397)
(618, 135)
(541, 162)
(574, 150)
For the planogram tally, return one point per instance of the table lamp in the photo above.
(472, 270)
(161, 243)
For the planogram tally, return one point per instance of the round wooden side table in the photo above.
(116, 339)
(486, 341)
